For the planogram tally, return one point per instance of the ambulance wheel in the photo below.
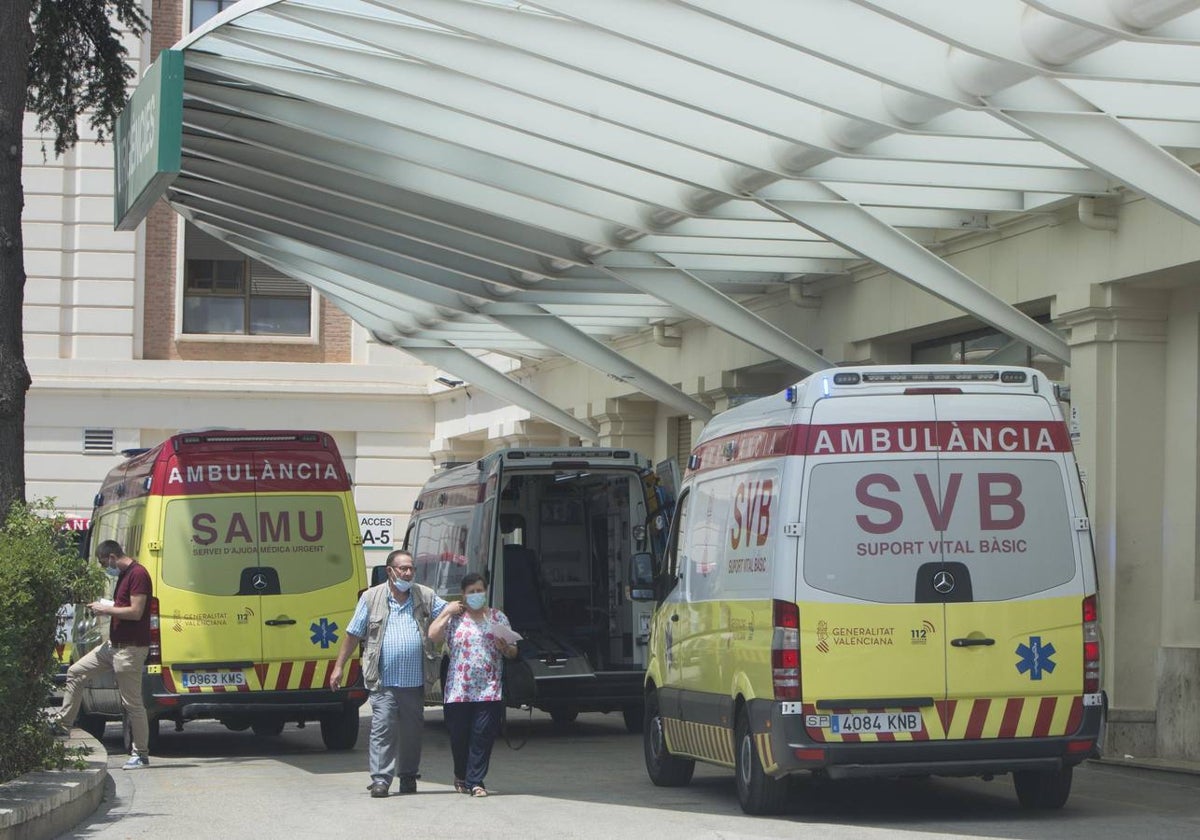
(267, 727)
(664, 769)
(93, 725)
(1043, 789)
(635, 716)
(562, 715)
(339, 730)
(127, 734)
(757, 792)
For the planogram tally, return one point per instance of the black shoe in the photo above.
(408, 784)
(378, 790)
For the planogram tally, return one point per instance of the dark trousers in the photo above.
(473, 729)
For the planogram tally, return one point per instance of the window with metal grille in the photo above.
(243, 297)
(98, 441)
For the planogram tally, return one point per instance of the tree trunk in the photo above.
(16, 42)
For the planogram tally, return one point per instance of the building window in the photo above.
(202, 10)
(243, 297)
(987, 347)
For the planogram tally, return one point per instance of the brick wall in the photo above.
(163, 226)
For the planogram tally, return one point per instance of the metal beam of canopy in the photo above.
(468, 368)
(704, 303)
(541, 326)
(876, 241)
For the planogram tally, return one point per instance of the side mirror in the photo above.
(378, 575)
(641, 577)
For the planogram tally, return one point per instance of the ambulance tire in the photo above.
(635, 716)
(267, 727)
(664, 769)
(1042, 789)
(127, 735)
(93, 725)
(563, 715)
(339, 730)
(757, 792)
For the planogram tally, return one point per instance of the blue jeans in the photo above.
(397, 719)
(473, 729)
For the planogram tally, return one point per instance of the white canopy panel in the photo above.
(539, 178)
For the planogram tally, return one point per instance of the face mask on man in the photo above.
(402, 583)
(476, 600)
(110, 567)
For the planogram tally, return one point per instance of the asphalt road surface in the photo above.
(585, 780)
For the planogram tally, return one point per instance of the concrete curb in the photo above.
(46, 803)
(1166, 765)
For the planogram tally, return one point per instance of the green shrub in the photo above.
(40, 570)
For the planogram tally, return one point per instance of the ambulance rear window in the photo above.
(870, 525)
(210, 540)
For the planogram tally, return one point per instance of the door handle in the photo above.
(275, 622)
(972, 642)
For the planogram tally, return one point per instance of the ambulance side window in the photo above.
(674, 558)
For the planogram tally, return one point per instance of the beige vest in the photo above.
(377, 619)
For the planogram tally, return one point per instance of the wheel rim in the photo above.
(745, 756)
(658, 740)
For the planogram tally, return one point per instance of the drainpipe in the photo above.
(664, 339)
(1097, 214)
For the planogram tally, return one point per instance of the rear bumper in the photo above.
(794, 751)
(298, 705)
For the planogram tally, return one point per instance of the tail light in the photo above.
(785, 650)
(154, 657)
(1091, 646)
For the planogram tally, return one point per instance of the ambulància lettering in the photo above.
(212, 473)
(924, 437)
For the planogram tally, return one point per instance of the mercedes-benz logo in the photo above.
(943, 582)
(259, 581)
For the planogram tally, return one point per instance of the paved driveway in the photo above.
(582, 781)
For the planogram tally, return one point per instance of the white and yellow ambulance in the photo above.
(881, 571)
(251, 539)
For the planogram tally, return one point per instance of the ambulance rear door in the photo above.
(1014, 659)
(309, 555)
(873, 664)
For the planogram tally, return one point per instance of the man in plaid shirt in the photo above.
(392, 622)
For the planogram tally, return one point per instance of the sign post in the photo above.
(378, 531)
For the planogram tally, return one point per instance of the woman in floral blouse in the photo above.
(472, 704)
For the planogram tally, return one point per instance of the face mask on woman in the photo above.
(476, 600)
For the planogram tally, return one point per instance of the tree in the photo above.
(61, 60)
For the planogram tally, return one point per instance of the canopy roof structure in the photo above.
(538, 178)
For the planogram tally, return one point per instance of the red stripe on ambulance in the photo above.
(832, 439)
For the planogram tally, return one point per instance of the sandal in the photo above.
(460, 786)
(479, 790)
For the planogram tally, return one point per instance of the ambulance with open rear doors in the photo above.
(880, 571)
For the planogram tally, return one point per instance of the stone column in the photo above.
(627, 423)
(526, 433)
(456, 450)
(1118, 386)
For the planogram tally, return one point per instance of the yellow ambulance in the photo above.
(251, 539)
(880, 571)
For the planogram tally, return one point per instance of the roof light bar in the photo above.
(940, 376)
